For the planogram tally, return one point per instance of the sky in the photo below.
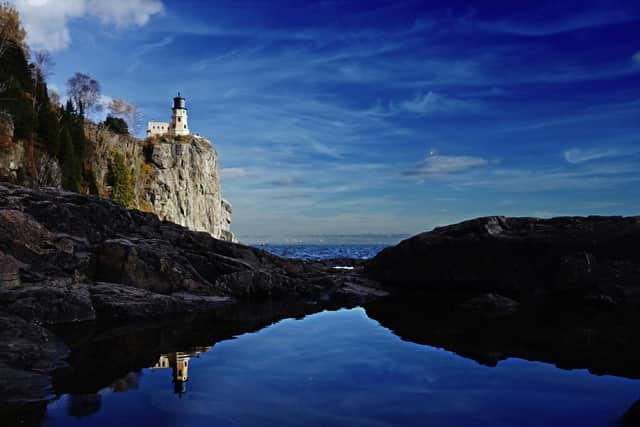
(373, 120)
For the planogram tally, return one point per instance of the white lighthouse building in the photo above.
(179, 121)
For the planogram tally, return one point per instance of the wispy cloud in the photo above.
(431, 102)
(554, 179)
(636, 58)
(526, 25)
(580, 155)
(444, 165)
(424, 103)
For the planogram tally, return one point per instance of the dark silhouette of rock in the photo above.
(631, 418)
(520, 256)
(491, 305)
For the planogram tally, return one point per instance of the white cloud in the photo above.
(124, 13)
(443, 165)
(579, 155)
(233, 172)
(636, 57)
(46, 21)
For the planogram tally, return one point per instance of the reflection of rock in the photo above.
(81, 405)
(491, 305)
(28, 352)
(606, 343)
(100, 356)
(632, 417)
(126, 383)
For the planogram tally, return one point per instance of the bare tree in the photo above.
(127, 111)
(44, 63)
(85, 92)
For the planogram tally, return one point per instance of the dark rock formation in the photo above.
(491, 305)
(632, 417)
(67, 258)
(520, 256)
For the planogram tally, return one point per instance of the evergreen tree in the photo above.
(123, 191)
(70, 176)
(48, 127)
(77, 134)
(117, 125)
(92, 182)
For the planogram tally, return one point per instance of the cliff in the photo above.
(176, 178)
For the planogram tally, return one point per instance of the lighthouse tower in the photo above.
(179, 117)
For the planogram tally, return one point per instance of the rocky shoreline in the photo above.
(68, 259)
(77, 271)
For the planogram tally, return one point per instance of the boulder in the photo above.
(521, 255)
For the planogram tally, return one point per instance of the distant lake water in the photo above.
(325, 251)
(342, 368)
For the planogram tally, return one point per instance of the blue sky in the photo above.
(378, 117)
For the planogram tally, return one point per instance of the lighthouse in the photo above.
(178, 125)
(179, 117)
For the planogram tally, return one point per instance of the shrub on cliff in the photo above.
(121, 182)
(117, 125)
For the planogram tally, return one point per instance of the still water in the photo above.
(342, 368)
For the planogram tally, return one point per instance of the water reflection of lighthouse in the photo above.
(179, 363)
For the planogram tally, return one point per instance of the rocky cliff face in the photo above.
(177, 179)
(186, 186)
(24, 162)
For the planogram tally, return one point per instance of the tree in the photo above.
(54, 98)
(48, 126)
(70, 178)
(44, 63)
(85, 92)
(41, 67)
(117, 125)
(128, 111)
(123, 191)
(11, 30)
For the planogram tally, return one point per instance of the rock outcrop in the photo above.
(68, 258)
(595, 256)
(176, 178)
